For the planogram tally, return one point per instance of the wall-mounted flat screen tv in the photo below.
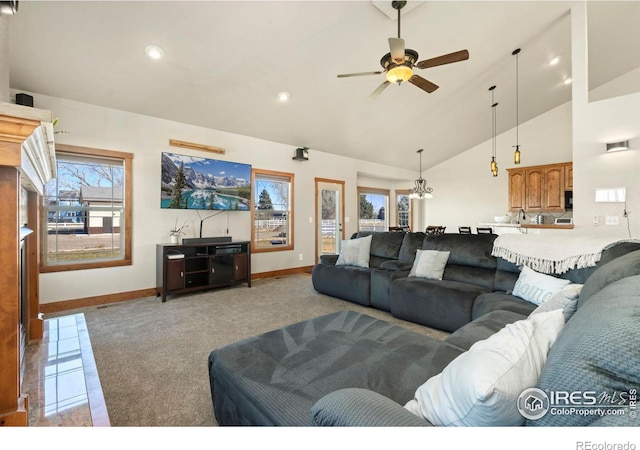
(191, 182)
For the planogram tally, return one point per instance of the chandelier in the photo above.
(420, 189)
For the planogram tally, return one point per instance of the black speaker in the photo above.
(24, 99)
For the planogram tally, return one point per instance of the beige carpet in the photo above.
(152, 356)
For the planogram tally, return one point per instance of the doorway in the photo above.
(329, 216)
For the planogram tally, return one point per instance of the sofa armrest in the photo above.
(396, 266)
(355, 407)
(329, 260)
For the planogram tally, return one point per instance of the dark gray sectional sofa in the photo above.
(350, 369)
(474, 281)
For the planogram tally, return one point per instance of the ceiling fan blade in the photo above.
(423, 84)
(359, 74)
(396, 45)
(461, 55)
(381, 88)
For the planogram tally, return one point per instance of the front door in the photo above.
(329, 216)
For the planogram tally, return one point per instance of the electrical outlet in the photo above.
(300, 257)
(595, 221)
(612, 220)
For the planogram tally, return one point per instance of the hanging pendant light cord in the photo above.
(493, 114)
(517, 102)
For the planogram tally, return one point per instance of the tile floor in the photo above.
(61, 378)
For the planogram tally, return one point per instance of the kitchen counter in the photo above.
(504, 228)
(550, 226)
(496, 224)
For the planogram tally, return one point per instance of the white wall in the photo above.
(465, 192)
(147, 137)
(4, 56)
(596, 123)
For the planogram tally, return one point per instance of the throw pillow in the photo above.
(566, 299)
(481, 386)
(355, 252)
(536, 287)
(429, 264)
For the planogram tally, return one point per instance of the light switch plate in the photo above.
(612, 220)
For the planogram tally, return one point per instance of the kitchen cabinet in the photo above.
(516, 190)
(539, 188)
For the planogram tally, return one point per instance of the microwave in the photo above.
(568, 200)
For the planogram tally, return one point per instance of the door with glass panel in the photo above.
(329, 216)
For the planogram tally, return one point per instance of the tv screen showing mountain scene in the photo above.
(190, 182)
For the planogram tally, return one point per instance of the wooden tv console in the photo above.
(198, 266)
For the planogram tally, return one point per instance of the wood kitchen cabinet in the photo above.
(516, 189)
(539, 188)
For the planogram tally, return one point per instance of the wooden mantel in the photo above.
(21, 166)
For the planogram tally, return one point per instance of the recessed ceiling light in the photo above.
(153, 51)
(555, 60)
(568, 80)
(283, 96)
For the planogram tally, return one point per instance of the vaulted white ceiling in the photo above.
(224, 63)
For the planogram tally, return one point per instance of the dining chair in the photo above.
(484, 230)
(464, 230)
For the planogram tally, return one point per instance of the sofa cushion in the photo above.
(507, 274)
(566, 299)
(355, 252)
(616, 250)
(469, 274)
(410, 243)
(429, 264)
(353, 407)
(350, 283)
(537, 287)
(466, 249)
(481, 386)
(384, 246)
(441, 304)
(494, 301)
(597, 351)
(275, 378)
(622, 267)
(482, 328)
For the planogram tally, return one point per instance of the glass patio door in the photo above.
(329, 216)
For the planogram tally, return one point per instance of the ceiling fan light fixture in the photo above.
(399, 74)
(8, 8)
(153, 51)
(283, 96)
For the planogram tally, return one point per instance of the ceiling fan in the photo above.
(399, 63)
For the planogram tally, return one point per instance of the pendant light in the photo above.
(420, 189)
(494, 164)
(516, 154)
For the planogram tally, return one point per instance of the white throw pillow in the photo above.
(355, 252)
(429, 264)
(537, 287)
(565, 299)
(481, 386)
